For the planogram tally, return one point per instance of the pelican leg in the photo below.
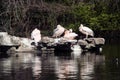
(86, 37)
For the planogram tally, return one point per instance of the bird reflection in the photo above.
(66, 69)
(36, 68)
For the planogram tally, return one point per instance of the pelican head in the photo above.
(59, 26)
(70, 30)
(81, 26)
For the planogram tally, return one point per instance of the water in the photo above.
(65, 66)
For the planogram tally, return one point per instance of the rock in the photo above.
(8, 42)
(82, 42)
(96, 41)
(11, 41)
(99, 41)
(47, 40)
(72, 41)
(89, 46)
(25, 44)
(5, 39)
(12, 50)
(15, 40)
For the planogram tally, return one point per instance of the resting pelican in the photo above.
(58, 31)
(85, 30)
(36, 36)
(70, 35)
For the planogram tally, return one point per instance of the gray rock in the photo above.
(8, 40)
(82, 42)
(96, 41)
(47, 40)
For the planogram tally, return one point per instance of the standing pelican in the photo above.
(58, 31)
(36, 36)
(85, 30)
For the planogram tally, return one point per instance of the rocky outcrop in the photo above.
(64, 44)
(10, 43)
(7, 42)
(6, 39)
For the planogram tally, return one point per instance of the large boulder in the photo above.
(96, 41)
(82, 42)
(25, 44)
(6, 39)
(12, 41)
(7, 42)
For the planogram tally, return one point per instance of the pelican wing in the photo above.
(73, 34)
(57, 32)
(88, 30)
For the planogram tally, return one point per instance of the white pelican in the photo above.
(85, 30)
(36, 36)
(58, 31)
(70, 35)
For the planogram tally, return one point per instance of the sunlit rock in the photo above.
(13, 41)
(25, 44)
(5, 39)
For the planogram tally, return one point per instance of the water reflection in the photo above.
(36, 67)
(14, 68)
(66, 68)
(112, 56)
(87, 67)
(88, 63)
(59, 66)
(47, 67)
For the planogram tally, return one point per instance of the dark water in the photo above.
(67, 66)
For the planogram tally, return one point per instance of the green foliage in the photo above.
(86, 14)
(82, 14)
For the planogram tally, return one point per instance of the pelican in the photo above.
(70, 35)
(36, 36)
(58, 31)
(85, 30)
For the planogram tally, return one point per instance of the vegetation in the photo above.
(20, 17)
